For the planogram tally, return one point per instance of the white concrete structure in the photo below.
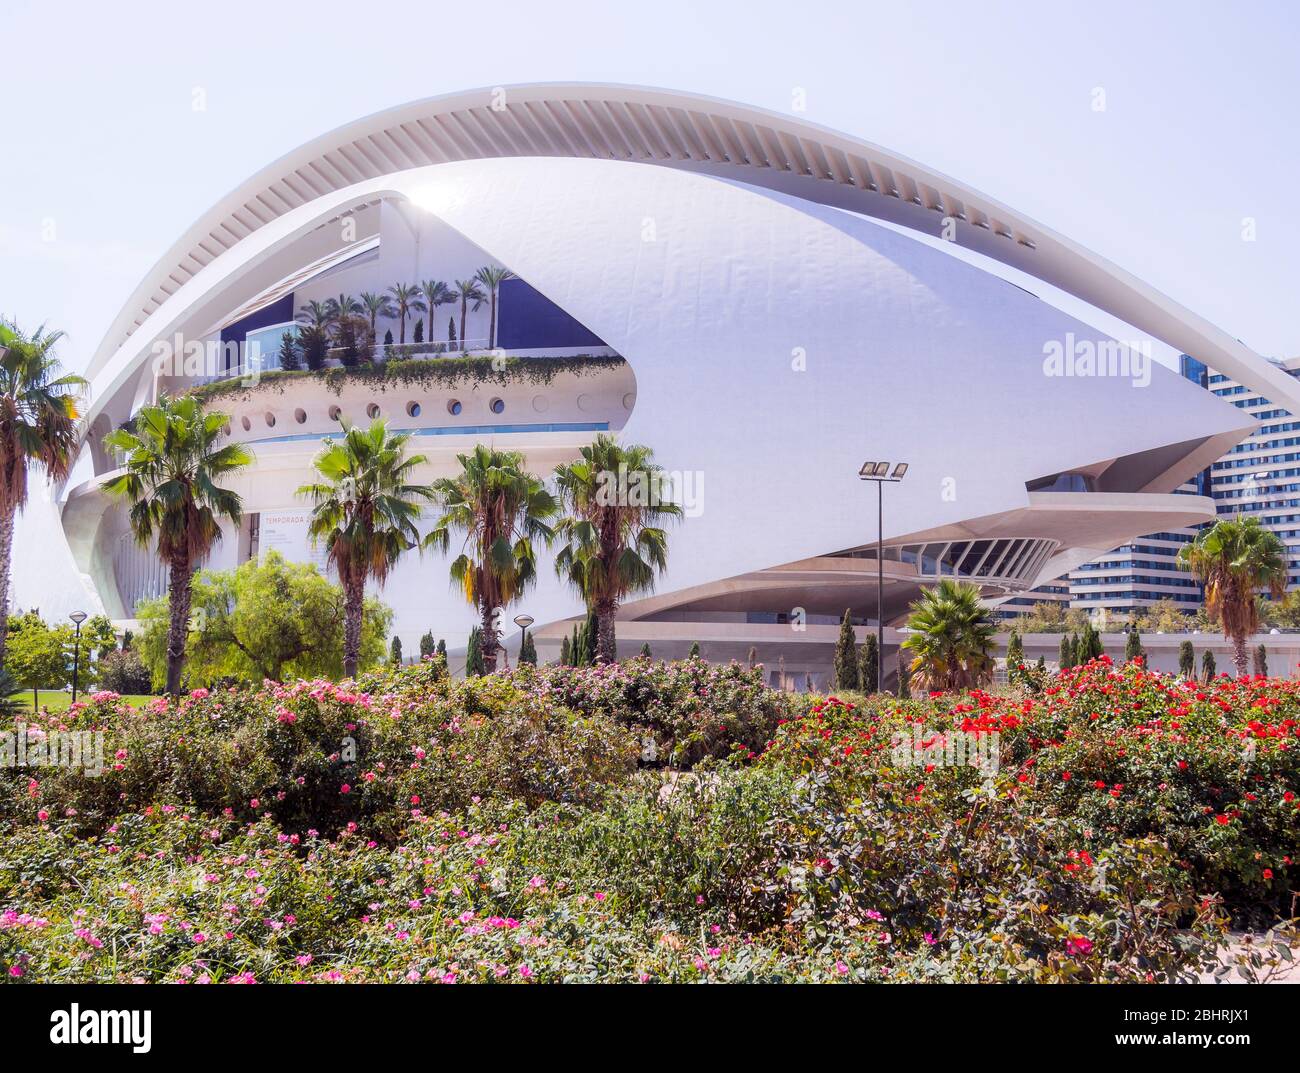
(776, 335)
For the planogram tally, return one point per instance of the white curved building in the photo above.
(745, 292)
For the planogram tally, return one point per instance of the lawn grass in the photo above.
(56, 700)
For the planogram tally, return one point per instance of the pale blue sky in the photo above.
(1199, 129)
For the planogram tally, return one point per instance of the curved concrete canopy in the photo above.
(691, 132)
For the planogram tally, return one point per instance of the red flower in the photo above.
(1222, 820)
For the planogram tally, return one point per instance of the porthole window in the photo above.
(498, 406)
(586, 403)
(248, 425)
(372, 411)
(540, 404)
(629, 400)
(412, 409)
(454, 407)
(336, 414)
(270, 419)
(300, 415)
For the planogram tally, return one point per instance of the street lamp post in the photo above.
(879, 472)
(523, 622)
(78, 617)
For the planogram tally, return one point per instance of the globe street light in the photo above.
(879, 472)
(523, 622)
(78, 617)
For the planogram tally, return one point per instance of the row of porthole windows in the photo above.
(413, 409)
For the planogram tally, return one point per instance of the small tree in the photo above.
(426, 645)
(1065, 652)
(752, 658)
(388, 337)
(1015, 656)
(808, 685)
(1187, 661)
(441, 650)
(474, 654)
(846, 656)
(694, 653)
(290, 356)
(566, 652)
(527, 650)
(315, 347)
(37, 656)
(1261, 661)
(1133, 644)
(1089, 644)
(419, 332)
(904, 681)
(395, 651)
(869, 665)
(645, 650)
(1207, 667)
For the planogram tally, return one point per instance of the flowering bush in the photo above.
(414, 829)
(691, 709)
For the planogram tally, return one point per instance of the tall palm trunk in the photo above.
(6, 552)
(488, 640)
(463, 333)
(401, 329)
(606, 642)
(492, 318)
(179, 593)
(1239, 659)
(354, 597)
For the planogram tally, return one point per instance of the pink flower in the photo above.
(303, 959)
(841, 968)
(345, 789)
(15, 970)
(525, 971)
(1078, 946)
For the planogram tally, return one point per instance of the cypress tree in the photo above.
(591, 631)
(566, 653)
(694, 653)
(388, 337)
(441, 650)
(645, 650)
(426, 645)
(1015, 651)
(1208, 669)
(1187, 661)
(868, 665)
(904, 681)
(1261, 661)
(289, 356)
(846, 653)
(419, 331)
(1133, 645)
(753, 657)
(474, 654)
(1064, 652)
(527, 650)
(395, 651)
(808, 686)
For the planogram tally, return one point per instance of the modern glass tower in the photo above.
(1260, 476)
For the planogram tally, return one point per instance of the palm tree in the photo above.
(436, 293)
(501, 509)
(1233, 560)
(492, 276)
(317, 315)
(376, 306)
(407, 301)
(365, 509)
(172, 468)
(468, 290)
(613, 546)
(953, 638)
(342, 307)
(38, 423)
